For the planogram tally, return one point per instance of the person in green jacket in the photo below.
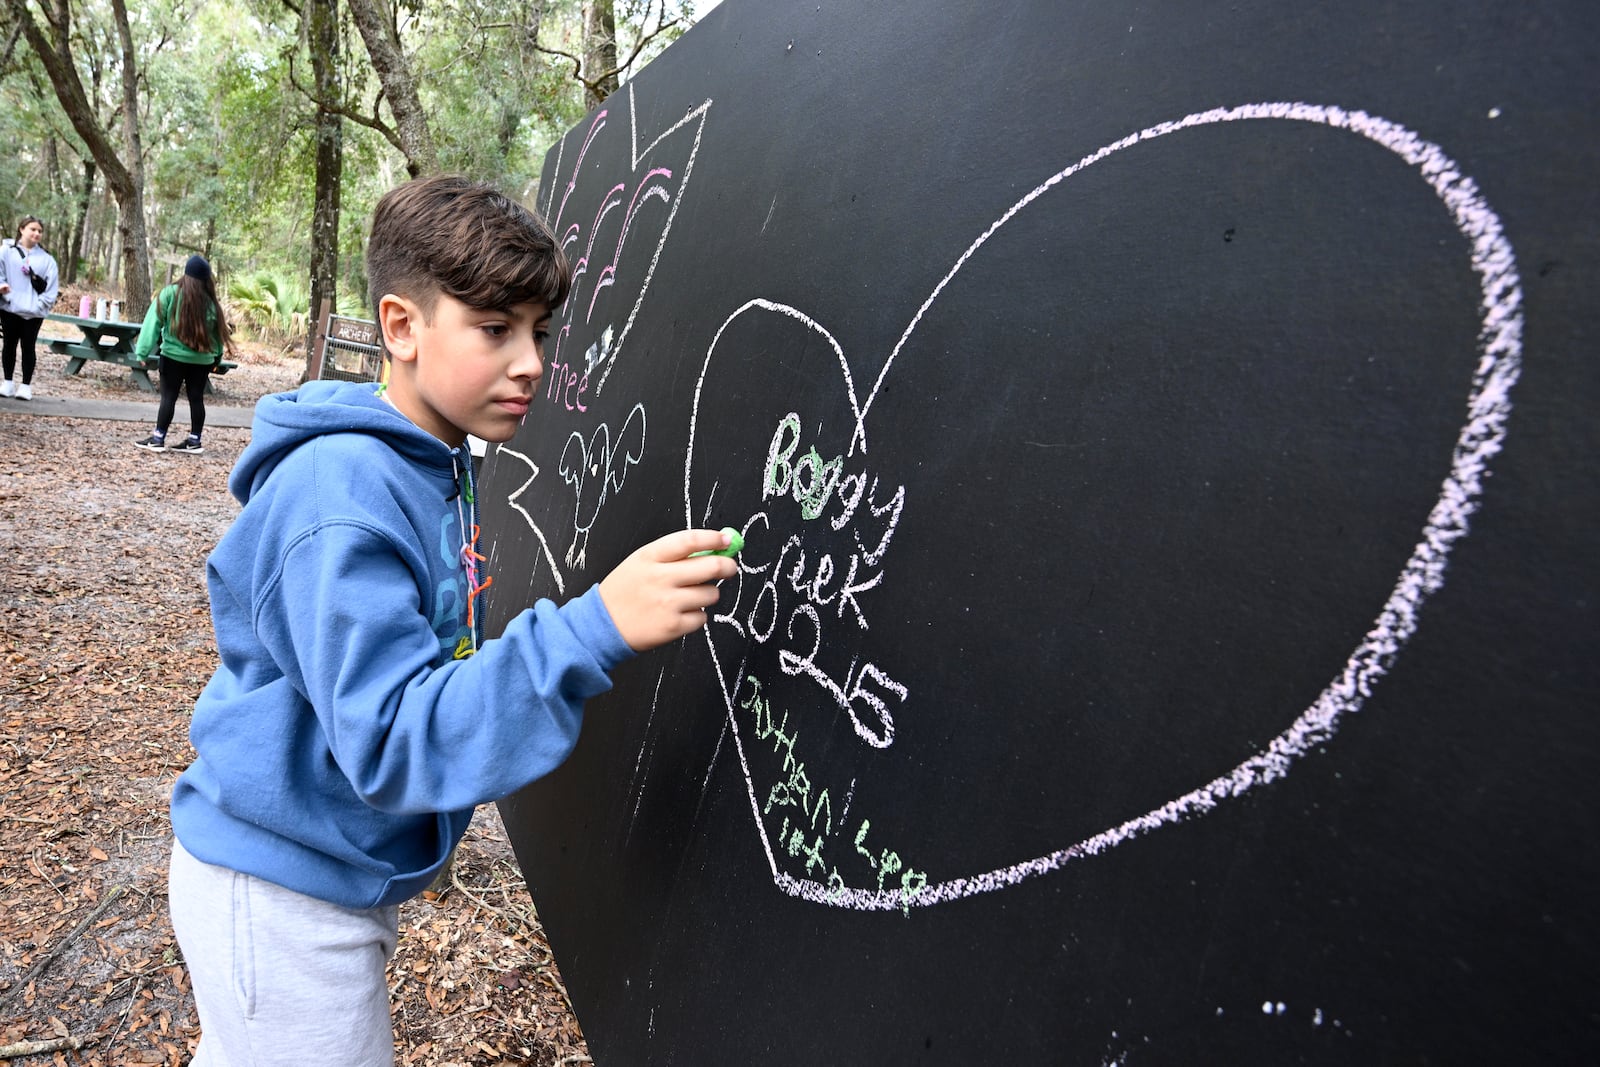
(186, 328)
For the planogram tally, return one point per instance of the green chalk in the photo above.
(735, 545)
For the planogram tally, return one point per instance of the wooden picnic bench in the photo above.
(111, 341)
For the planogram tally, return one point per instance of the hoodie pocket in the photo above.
(243, 951)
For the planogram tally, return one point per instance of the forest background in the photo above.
(260, 133)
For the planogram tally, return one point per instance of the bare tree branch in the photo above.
(54, 1044)
(50, 957)
(12, 36)
(399, 85)
(594, 84)
(372, 122)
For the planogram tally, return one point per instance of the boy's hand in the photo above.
(658, 594)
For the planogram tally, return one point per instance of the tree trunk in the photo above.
(53, 181)
(126, 182)
(80, 225)
(375, 20)
(513, 107)
(135, 239)
(104, 262)
(323, 36)
(600, 50)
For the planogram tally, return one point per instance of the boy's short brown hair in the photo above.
(448, 234)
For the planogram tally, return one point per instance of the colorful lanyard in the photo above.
(467, 508)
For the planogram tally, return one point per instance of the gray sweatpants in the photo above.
(281, 978)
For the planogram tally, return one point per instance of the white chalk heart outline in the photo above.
(1480, 438)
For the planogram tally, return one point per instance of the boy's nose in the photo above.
(529, 363)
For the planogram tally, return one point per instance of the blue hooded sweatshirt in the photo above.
(342, 744)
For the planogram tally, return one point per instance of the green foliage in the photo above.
(33, 126)
(271, 306)
(228, 126)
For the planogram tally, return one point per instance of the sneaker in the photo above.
(7, 389)
(153, 444)
(190, 445)
(24, 392)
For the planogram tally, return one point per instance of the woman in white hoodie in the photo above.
(23, 303)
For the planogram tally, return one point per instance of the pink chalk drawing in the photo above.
(593, 466)
(596, 247)
(811, 856)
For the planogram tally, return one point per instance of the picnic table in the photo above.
(112, 341)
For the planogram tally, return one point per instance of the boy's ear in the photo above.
(399, 319)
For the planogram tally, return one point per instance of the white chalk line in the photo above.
(635, 784)
(694, 417)
(1480, 438)
(700, 382)
(561, 585)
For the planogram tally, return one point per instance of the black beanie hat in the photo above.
(197, 267)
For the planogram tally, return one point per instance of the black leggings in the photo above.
(27, 331)
(177, 375)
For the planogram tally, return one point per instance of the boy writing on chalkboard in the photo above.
(358, 715)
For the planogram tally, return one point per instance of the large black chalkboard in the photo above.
(1166, 441)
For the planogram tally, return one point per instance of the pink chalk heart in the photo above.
(820, 705)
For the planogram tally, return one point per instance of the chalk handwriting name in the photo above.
(809, 830)
(806, 590)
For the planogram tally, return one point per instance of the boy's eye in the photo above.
(541, 336)
(496, 329)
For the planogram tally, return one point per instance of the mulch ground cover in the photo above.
(105, 641)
